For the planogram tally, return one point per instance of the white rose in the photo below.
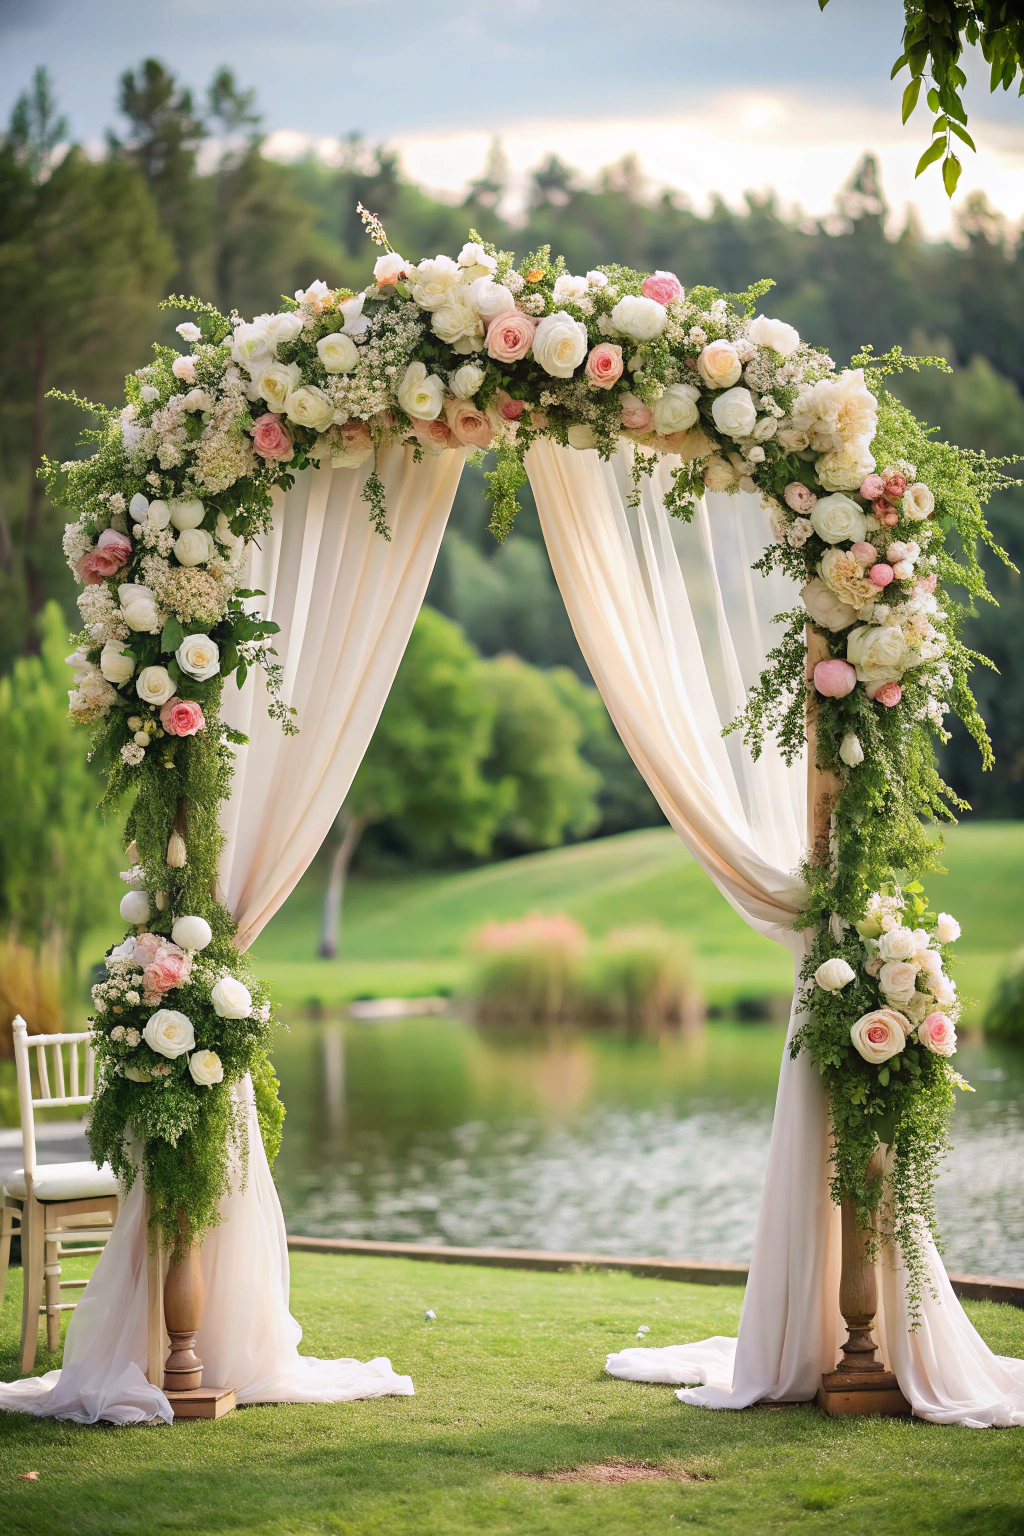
(569, 289)
(457, 323)
(560, 344)
(309, 407)
(279, 329)
(184, 368)
(918, 502)
(825, 608)
(206, 1068)
(850, 750)
(640, 318)
(389, 267)
(139, 607)
(947, 929)
(356, 323)
(597, 279)
(943, 990)
(421, 395)
(898, 980)
(432, 281)
(169, 1033)
(153, 685)
(159, 514)
(337, 352)
(199, 656)
(880, 1034)
(489, 298)
(834, 975)
(473, 255)
(719, 475)
(116, 667)
(135, 907)
(734, 412)
(898, 944)
(277, 381)
(719, 366)
(194, 546)
(186, 514)
(138, 507)
(580, 435)
(191, 933)
(878, 652)
(930, 962)
(837, 519)
(251, 348)
(764, 429)
(782, 338)
(230, 999)
(676, 410)
(466, 381)
(844, 468)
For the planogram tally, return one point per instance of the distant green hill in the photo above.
(409, 935)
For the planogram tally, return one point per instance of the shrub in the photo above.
(642, 978)
(1004, 1017)
(528, 971)
(32, 984)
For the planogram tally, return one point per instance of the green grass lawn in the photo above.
(408, 935)
(509, 1389)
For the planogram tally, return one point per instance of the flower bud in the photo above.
(176, 852)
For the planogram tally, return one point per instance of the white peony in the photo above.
(835, 974)
(880, 1034)
(782, 338)
(838, 520)
(191, 933)
(947, 929)
(457, 323)
(138, 507)
(568, 289)
(466, 381)
(158, 515)
(116, 667)
(676, 410)
(560, 344)
(138, 605)
(154, 686)
(251, 348)
(930, 962)
(421, 395)
(825, 608)
(844, 468)
(169, 1033)
(473, 255)
(206, 1068)
(490, 299)
(431, 281)
(230, 999)
(186, 513)
(194, 546)
(898, 980)
(135, 907)
(337, 352)
(309, 407)
(850, 750)
(878, 652)
(199, 656)
(637, 317)
(277, 381)
(734, 412)
(836, 410)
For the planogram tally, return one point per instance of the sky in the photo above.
(713, 95)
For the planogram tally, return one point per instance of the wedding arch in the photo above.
(754, 552)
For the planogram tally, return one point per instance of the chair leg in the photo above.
(51, 1287)
(32, 1245)
(7, 1215)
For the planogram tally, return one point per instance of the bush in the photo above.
(32, 984)
(528, 971)
(1004, 1017)
(642, 978)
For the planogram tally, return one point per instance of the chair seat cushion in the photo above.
(64, 1181)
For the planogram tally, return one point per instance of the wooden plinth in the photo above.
(861, 1392)
(202, 1402)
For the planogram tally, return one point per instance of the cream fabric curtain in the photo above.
(675, 628)
(346, 601)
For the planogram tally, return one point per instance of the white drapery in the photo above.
(346, 601)
(674, 628)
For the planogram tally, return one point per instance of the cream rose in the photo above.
(560, 344)
(138, 605)
(199, 656)
(642, 319)
(466, 380)
(898, 944)
(337, 352)
(421, 395)
(194, 546)
(309, 407)
(569, 289)
(825, 608)
(116, 667)
(833, 975)
(276, 382)
(432, 281)
(838, 520)
(387, 269)
(719, 366)
(490, 299)
(676, 410)
(880, 1034)
(918, 502)
(279, 329)
(782, 338)
(898, 980)
(734, 412)
(153, 685)
(251, 348)
(169, 1033)
(230, 999)
(206, 1068)
(878, 652)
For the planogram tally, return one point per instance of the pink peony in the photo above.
(895, 485)
(864, 553)
(604, 365)
(270, 439)
(798, 498)
(937, 1034)
(111, 554)
(889, 694)
(664, 287)
(927, 583)
(872, 487)
(510, 337)
(887, 516)
(835, 678)
(169, 968)
(182, 717)
(880, 574)
(468, 424)
(636, 416)
(434, 436)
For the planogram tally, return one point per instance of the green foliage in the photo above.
(1004, 1016)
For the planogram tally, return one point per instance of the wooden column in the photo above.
(860, 1383)
(182, 1308)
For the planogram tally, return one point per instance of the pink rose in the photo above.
(604, 365)
(271, 440)
(889, 694)
(937, 1034)
(636, 417)
(864, 553)
(880, 574)
(182, 717)
(798, 498)
(895, 485)
(903, 570)
(468, 424)
(872, 487)
(510, 337)
(434, 436)
(664, 287)
(927, 583)
(145, 949)
(887, 516)
(511, 409)
(834, 679)
(168, 968)
(111, 554)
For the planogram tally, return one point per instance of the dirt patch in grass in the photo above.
(618, 1472)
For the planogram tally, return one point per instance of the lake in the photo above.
(432, 1130)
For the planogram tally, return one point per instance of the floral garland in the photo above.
(479, 353)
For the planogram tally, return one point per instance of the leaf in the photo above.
(883, 1076)
(934, 152)
(951, 169)
(962, 133)
(910, 96)
(172, 635)
(241, 674)
(933, 99)
(940, 124)
(903, 59)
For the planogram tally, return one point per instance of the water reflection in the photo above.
(430, 1130)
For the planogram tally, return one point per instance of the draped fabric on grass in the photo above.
(674, 627)
(346, 601)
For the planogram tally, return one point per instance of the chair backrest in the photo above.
(58, 1088)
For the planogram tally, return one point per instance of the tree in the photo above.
(624, 800)
(933, 42)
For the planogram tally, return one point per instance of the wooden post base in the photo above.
(202, 1402)
(861, 1392)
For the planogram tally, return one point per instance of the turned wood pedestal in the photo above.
(175, 1314)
